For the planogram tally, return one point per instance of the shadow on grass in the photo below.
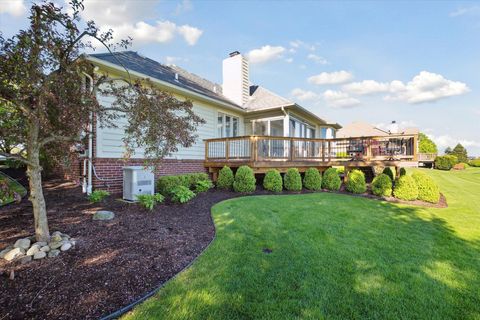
(331, 256)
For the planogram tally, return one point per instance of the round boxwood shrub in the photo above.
(474, 163)
(406, 188)
(382, 185)
(225, 178)
(356, 182)
(244, 180)
(273, 181)
(292, 180)
(312, 179)
(389, 172)
(427, 188)
(403, 171)
(331, 180)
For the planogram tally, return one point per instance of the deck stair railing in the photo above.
(272, 148)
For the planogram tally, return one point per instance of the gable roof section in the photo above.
(262, 99)
(153, 69)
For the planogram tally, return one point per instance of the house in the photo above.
(234, 109)
(363, 129)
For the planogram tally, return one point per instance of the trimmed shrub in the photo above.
(474, 163)
(225, 178)
(148, 201)
(356, 182)
(406, 188)
(445, 162)
(98, 195)
(331, 180)
(273, 181)
(312, 179)
(403, 172)
(166, 184)
(182, 194)
(382, 185)
(203, 185)
(292, 180)
(427, 188)
(193, 178)
(244, 180)
(389, 172)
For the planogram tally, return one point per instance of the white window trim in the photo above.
(224, 127)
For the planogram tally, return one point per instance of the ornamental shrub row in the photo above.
(356, 182)
(417, 186)
(166, 184)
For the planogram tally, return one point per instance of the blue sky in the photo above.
(413, 62)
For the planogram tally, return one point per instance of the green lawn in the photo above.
(336, 257)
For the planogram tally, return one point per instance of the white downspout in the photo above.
(90, 143)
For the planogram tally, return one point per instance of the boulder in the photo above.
(5, 251)
(14, 253)
(22, 243)
(33, 249)
(45, 248)
(66, 246)
(103, 215)
(39, 255)
(53, 253)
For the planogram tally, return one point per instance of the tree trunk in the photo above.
(34, 172)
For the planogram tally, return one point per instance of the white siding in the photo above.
(110, 144)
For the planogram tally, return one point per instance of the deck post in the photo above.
(227, 149)
(329, 150)
(345, 174)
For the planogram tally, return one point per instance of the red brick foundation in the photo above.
(111, 173)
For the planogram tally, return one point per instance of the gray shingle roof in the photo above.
(261, 98)
(151, 68)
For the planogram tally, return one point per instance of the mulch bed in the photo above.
(113, 263)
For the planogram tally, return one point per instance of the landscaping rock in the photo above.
(45, 249)
(66, 246)
(33, 249)
(56, 238)
(56, 245)
(5, 251)
(53, 253)
(40, 244)
(103, 215)
(25, 259)
(14, 253)
(39, 255)
(22, 243)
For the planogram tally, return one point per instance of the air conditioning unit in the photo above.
(137, 180)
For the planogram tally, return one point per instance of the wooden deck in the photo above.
(262, 153)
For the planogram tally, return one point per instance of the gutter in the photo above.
(165, 84)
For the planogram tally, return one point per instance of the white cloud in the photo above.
(445, 140)
(297, 44)
(127, 19)
(335, 77)
(289, 60)
(184, 6)
(173, 60)
(265, 53)
(317, 59)
(366, 87)
(339, 99)
(425, 87)
(15, 8)
(190, 34)
(463, 11)
(304, 95)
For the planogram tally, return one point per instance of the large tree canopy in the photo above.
(44, 102)
(425, 144)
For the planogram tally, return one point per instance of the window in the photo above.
(301, 129)
(324, 133)
(227, 126)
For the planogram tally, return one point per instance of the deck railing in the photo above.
(427, 157)
(271, 148)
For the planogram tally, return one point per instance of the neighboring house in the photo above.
(363, 129)
(235, 108)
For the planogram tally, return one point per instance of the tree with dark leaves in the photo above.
(45, 105)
